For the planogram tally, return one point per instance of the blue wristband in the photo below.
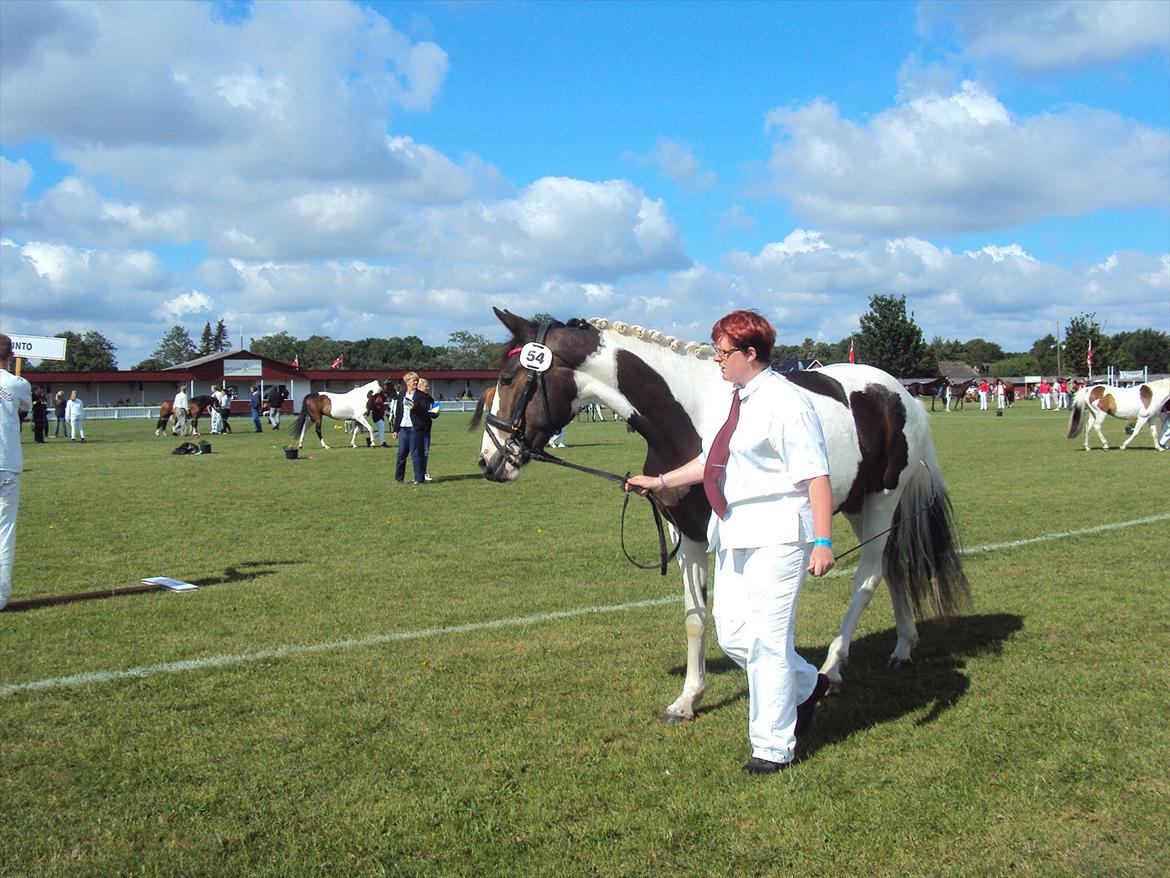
(823, 541)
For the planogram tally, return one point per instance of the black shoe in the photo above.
(756, 765)
(807, 710)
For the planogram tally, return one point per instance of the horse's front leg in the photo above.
(692, 561)
(865, 581)
(1137, 429)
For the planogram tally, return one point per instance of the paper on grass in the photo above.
(172, 584)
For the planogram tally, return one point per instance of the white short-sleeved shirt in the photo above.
(15, 397)
(777, 446)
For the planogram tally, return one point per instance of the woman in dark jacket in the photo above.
(40, 414)
(59, 411)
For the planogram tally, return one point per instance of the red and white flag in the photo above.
(1089, 355)
(296, 361)
(851, 351)
(336, 364)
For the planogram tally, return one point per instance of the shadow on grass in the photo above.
(875, 693)
(237, 573)
(242, 572)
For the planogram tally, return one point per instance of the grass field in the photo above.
(466, 678)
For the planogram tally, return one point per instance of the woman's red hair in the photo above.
(747, 329)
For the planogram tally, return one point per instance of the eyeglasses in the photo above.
(723, 354)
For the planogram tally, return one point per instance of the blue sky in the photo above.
(399, 168)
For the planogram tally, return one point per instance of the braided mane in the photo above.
(652, 336)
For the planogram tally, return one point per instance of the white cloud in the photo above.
(185, 305)
(1054, 34)
(961, 162)
(676, 161)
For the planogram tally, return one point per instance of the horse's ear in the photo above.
(520, 327)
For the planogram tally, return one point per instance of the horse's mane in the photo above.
(617, 327)
(649, 336)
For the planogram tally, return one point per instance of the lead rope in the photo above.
(665, 556)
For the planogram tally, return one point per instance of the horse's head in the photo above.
(534, 396)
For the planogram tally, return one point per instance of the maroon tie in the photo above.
(716, 466)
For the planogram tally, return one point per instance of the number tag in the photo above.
(536, 357)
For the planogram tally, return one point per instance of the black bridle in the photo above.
(517, 450)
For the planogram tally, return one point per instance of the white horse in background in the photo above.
(340, 406)
(1141, 402)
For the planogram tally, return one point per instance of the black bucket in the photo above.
(205, 448)
(291, 453)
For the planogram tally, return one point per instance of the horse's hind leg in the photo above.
(1096, 423)
(692, 560)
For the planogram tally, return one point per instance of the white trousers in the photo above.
(982, 401)
(1045, 401)
(756, 592)
(76, 431)
(216, 421)
(9, 503)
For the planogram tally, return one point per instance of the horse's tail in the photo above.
(485, 400)
(300, 422)
(1080, 401)
(922, 553)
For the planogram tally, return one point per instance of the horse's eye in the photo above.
(505, 381)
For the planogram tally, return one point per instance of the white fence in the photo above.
(132, 412)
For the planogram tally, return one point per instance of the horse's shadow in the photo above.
(242, 572)
(875, 693)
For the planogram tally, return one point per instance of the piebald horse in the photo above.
(350, 405)
(885, 476)
(1142, 402)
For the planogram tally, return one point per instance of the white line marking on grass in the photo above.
(222, 661)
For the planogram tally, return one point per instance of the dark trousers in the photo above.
(409, 442)
(61, 425)
(426, 451)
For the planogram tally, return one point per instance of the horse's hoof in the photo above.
(899, 664)
(676, 719)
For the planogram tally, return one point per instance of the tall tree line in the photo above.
(889, 338)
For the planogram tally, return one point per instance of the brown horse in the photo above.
(166, 411)
(926, 388)
(200, 405)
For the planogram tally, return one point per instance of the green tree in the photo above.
(1082, 329)
(150, 364)
(1043, 353)
(86, 352)
(891, 340)
(469, 350)
(220, 340)
(279, 346)
(1140, 349)
(176, 347)
(206, 341)
(981, 353)
(1017, 365)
